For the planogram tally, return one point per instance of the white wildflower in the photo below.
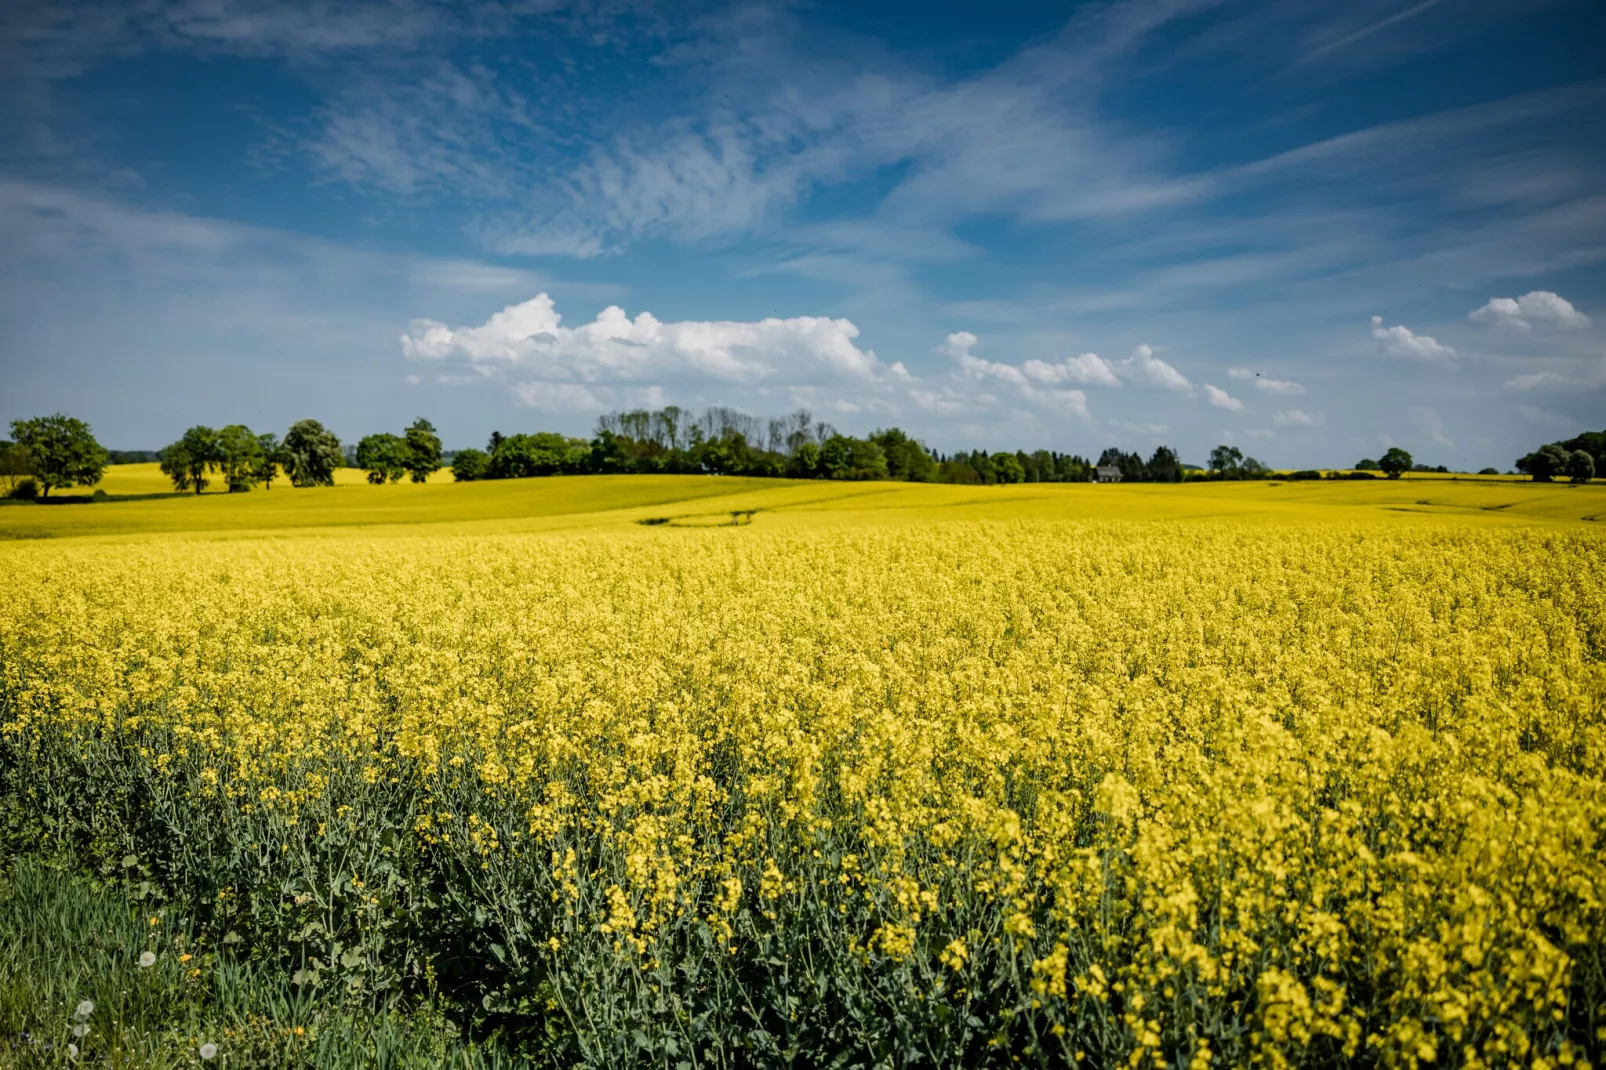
(147, 959)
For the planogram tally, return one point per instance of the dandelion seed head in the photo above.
(208, 1050)
(85, 1009)
(147, 959)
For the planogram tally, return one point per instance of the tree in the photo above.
(1008, 469)
(61, 451)
(1164, 466)
(14, 465)
(805, 461)
(470, 465)
(187, 461)
(384, 455)
(1395, 462)
(270, 456)
(1366, 464)
(1226, 460)
(843, 457)
(1580, 467)
(1545, 463)
(311, 454)
(239, 456)
(544, 453)
(906, 458)
(424, 450)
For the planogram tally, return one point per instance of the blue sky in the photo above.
(1309, 229)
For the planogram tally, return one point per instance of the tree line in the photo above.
(1577, 459)
(723, 441)
(56, 451)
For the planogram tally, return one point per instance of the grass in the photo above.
(588, 501)
(65, 941)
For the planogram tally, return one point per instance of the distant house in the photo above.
(1106, 473)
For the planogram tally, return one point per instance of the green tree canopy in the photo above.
(844, 457)
(1395, 462)
(385, 456)
(1580, 467)
(423, 450)
(1545, 463)
(544, 453)
(470, 465)
(187, 461)
(906, 457)
(1008, 469)
(1226, 459)
(1165, 466)
(62, 451)
(311, 454)
(14, 465)
(239, 455)
(270, 456)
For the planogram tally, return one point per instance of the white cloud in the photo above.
(1298, 418)
(1028, 381)
(1535, 381)
(1270, 386)
(1538, 308)
(1260, 432)
(1279, 386)
(1149, 370)
(1221, 399)
(561, 367)
(1083, 368)
(1152, 429)
(1400, 342)
(1592, 377)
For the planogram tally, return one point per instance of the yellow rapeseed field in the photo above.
(964, 785)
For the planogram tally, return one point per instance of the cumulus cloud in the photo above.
(558, 367)
(1538, 308)
(1087, 368)
(1221, 399)
(1298, 418)
(1033, 381)
(1146, 369)
(1401, 342)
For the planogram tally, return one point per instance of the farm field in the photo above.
(569, 501)
(1211, 775)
